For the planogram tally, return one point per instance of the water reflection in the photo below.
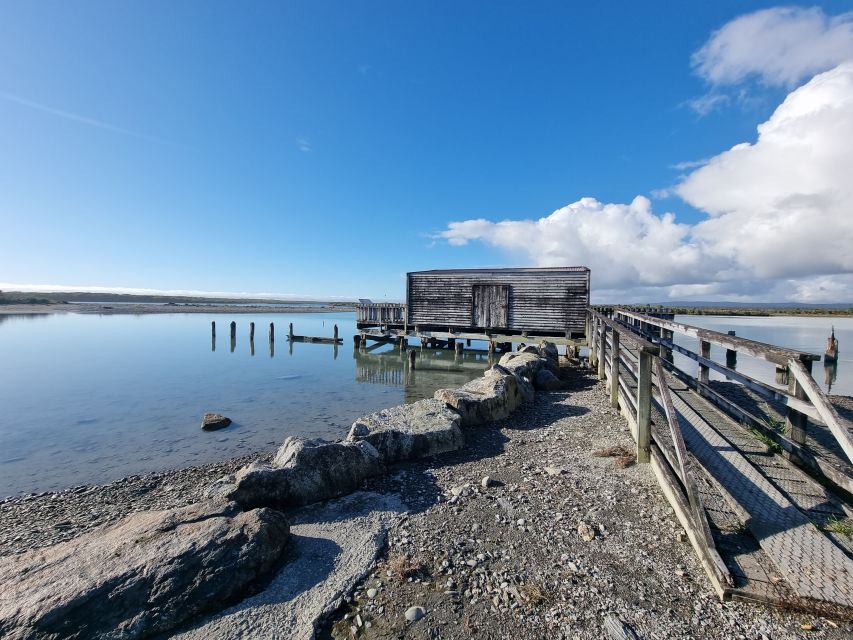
(434, 368)
(7, 317)
(830, 373)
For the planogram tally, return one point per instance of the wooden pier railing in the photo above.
(803, 399)
(382, 313)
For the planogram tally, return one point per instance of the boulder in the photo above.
(410, 431)
(142, 576)
(306, 471)
(548, 350)
(493, 397)
(544, 380)
(214, 421)
(528, 348)
(524, 363)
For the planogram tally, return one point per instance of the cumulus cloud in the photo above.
(779, 217)
(779, 46)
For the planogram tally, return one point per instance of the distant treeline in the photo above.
(25, 297)
(745, 311)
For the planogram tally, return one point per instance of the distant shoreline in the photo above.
(143, 308)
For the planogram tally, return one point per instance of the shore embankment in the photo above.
(143, 308)
(558, 538)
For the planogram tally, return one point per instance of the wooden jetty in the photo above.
(758, 500)
(499, 306)
(334, 339)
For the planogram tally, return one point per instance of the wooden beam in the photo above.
(839, 427)
(644, 405)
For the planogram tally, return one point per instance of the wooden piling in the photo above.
(272, 332)
(459, 347)
(213, 336)
(424, 342)
(356, 341)
(731, 356)
(290, 332)
(213, 329)
(251, 332)
(335, 334)
(412, 355)
(233, 330)
(705, 352)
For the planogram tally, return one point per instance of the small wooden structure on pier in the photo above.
(495, 305)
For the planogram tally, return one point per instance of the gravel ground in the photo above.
(511, 559)
(43, 519)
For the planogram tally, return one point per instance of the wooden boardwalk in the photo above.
(758, 521)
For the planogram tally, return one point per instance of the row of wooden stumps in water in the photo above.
(291, 338)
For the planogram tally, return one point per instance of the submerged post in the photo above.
(644, 406)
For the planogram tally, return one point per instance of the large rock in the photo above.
(409, 431)
(522, 363)
(548, 350)
(493, 397)
(544, 380)
(306, 471)
(214, 421)
(142, 576)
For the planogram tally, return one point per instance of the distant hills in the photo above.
(44, 297)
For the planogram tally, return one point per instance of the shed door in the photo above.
(491, 302)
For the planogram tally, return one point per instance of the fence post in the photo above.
(644, 407)
(705, 352)
(614, 370)
(602, 351)
(795, 422)
(593, 342)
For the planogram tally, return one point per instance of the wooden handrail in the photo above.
(762, 350)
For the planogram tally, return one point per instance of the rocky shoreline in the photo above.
(524, 532)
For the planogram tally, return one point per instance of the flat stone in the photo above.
(410, 431)
(306, 471)
(214, 421)
(140, 577)
(413, 614)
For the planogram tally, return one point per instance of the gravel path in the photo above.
(511, 559)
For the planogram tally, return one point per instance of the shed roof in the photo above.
(506, 270)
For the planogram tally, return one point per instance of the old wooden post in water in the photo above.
(213, 336)
(233, 335)
(251, 332)
(290, 332)
(335, 335)
(731, 356)
(412, 355)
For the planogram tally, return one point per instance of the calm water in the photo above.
(806, 333)
(87, 398)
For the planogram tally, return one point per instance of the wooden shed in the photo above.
(539, 301)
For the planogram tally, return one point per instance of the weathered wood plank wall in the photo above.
(545, 300)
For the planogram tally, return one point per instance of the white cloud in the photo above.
(779, 225)
(779, 46)
(783, 206)
(303, 144)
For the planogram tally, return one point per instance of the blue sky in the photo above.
(326, 148)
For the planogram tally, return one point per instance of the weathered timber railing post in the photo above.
(593, 343)
(705, 352)
(796, 422)
(602, 351)
(666, 352)
(644, 406)
(614, 370)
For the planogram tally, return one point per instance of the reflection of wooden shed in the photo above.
(542, 302)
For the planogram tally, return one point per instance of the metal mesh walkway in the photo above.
(812, 565)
